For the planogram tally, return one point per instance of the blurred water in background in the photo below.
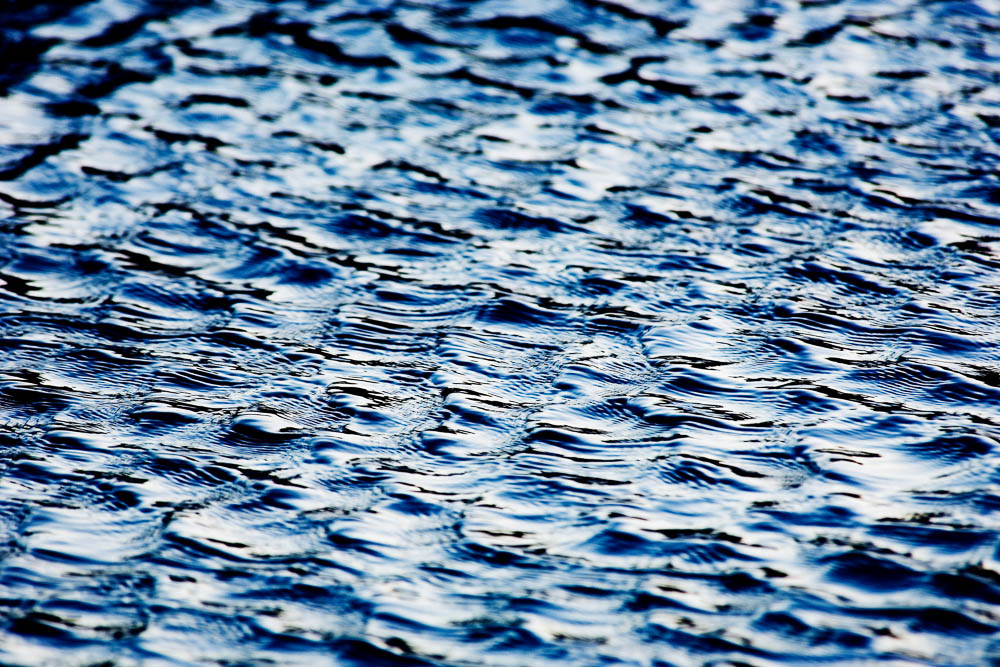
(514, 332)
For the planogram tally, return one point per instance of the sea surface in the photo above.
(507, 332)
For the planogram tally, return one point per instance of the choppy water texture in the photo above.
(590, 332)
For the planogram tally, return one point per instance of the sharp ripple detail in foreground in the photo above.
(579, 332)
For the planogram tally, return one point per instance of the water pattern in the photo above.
(510, 332)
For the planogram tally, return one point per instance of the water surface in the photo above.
(521, 332)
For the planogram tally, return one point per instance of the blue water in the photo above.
(514, 332)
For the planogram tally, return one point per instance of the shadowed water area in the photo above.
(515, 332)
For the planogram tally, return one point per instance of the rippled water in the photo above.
(514, 332)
